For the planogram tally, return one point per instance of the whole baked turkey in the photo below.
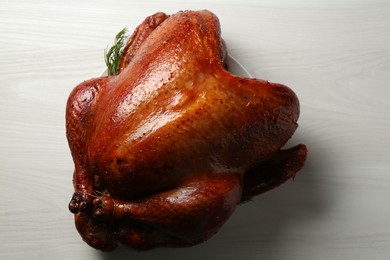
(165, 150)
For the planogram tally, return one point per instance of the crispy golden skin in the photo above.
(166, 149)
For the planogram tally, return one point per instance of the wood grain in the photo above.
(334, 54)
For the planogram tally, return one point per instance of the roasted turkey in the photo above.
(165, 150)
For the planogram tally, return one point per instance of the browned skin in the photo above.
(140, 34)
(165, 150)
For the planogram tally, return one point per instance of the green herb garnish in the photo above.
(112, 57)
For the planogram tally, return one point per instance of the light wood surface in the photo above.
(334, 54)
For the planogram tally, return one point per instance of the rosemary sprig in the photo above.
(113, 55)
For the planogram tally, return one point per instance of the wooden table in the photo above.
(334, 54)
